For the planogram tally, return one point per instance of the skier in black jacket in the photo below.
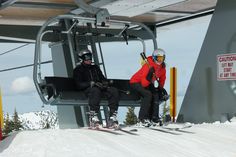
(89, 78)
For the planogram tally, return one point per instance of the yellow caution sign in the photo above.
(1, 112)
(173, 92)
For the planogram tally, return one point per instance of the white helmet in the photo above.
(159, 55)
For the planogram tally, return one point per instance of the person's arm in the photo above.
(145, 70)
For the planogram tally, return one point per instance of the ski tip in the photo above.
(133, 130)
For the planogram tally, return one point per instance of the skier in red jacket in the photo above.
(143, 83)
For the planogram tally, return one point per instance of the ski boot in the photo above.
(113, 122)
(94, 122)
(144, 123)
(156, 122)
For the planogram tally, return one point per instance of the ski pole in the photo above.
(124, 91)
(144, 57)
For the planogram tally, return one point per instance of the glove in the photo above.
(163, 95)
(92, 83)
(105, 84)
(111, 82)
(99, 84)
(150, 74)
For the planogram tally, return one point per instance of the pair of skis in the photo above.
(131, 132)
(170, 130)
(163, 129)
(115, 130)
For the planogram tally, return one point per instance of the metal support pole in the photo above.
(1, 116)
(173, 92)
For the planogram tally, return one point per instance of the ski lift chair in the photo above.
(62, 90)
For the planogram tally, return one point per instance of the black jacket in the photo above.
(84, 74)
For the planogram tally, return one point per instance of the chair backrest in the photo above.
(65, 88)
(62, 83)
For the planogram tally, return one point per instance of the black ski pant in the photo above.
(95, 94)
(150, 101)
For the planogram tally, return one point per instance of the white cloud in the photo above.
(22, 85)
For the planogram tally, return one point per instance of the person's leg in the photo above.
(94, 97)
(155, 108)
(112, 95)
(146, 100)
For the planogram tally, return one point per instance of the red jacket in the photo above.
(141, 74)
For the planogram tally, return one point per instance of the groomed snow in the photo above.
(202, 140)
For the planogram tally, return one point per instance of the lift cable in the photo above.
(14, 49)
(24, 66)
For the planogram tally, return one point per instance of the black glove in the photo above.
(150, 74)
(163, 95)
(102, 85)
(98, 84)
(92, 83)
(111, 82)
(105, 84)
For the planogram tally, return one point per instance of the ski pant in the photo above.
(94, 95)
(150, 101)
(154, 109)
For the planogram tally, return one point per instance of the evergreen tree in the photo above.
(16, 122)
(47, 125)
(7, 125)
(131, 118)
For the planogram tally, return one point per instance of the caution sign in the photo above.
(226, 68)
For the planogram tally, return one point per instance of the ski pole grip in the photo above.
(142, 54)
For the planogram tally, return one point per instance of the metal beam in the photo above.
(44, 5)
(29, 33)
(6, 3)
(173, 12)
(209, 11)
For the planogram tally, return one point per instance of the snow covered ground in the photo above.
(199, 140)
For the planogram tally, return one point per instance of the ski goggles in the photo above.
(159, 58)
(87, 57)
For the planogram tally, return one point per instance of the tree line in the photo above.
(12, 124)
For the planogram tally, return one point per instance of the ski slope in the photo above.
(202, 140)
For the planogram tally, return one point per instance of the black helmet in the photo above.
(85, 54)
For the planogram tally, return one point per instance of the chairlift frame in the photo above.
(40, 83)
(7, 4)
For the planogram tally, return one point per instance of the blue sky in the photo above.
(182, 43)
